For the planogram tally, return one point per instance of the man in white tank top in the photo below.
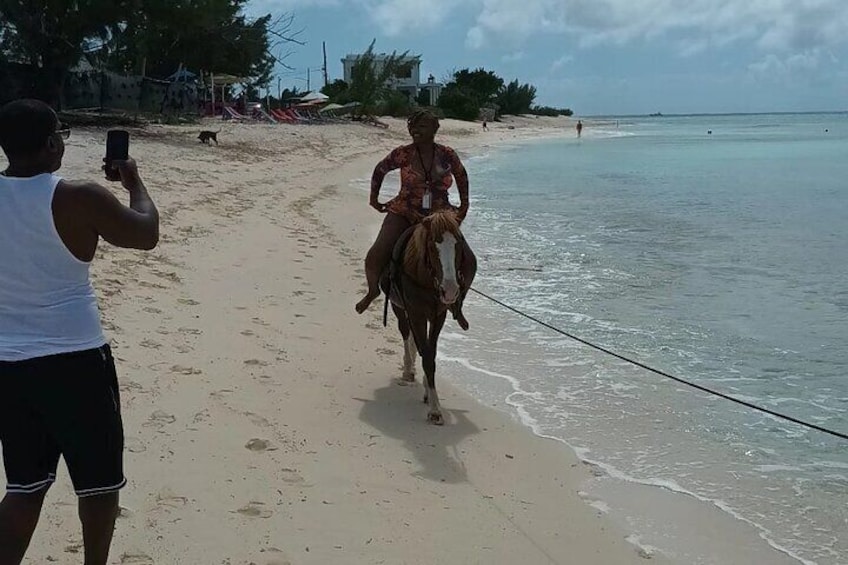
(58, 387)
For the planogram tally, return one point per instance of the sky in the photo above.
(598, 57)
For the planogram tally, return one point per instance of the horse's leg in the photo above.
(410, 353)
(434, 415)
(468, 270)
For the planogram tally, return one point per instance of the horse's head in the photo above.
(444, 253)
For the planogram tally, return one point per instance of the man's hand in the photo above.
(129, 174)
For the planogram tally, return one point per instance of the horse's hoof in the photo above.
(436, 418)
(408, 377)
(403, 381)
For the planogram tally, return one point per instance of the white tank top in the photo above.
(47, 303)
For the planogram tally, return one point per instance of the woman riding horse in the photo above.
(426, 169)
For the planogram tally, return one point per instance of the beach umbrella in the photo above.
(315, 97)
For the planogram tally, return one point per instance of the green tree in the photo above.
(516, 98)
(131, 35)
(457, 103)
(214, 35)
(337, 91)
(371, 81)
(481, 85)
(51, 35)
(550, 111)
(467, 91)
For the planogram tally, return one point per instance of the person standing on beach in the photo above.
(426, 169)
(579, 128)
(58, 387)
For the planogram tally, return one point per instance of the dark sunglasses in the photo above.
(63, 130)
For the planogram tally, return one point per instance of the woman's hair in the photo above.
(419, 116)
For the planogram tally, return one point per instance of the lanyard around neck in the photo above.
(427, 171)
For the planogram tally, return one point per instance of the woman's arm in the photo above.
(390, 163)
(461, 176)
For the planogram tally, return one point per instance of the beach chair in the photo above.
(283, 116)
(230, 113)
(261, 114)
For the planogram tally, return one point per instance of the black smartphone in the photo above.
(117, 149)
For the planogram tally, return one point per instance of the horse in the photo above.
(422, 283)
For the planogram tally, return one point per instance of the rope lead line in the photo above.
(664, 374)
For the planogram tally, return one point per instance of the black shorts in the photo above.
(66, 405)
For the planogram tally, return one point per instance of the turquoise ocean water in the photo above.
(720, 258)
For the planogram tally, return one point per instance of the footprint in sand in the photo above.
(166, 498)
(385, 352)
(190, 331)
(291, 476)
(134, 445)
(136, 559)
(259, 445)
(150, 344)
(255, 510)
(257, 420)
(256, 363)
(188, 302)
(185, 370)
(160, 418)
(151, 310)
(248, 332)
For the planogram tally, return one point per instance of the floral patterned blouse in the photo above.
(414, 179)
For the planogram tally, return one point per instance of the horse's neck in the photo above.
(414, 259)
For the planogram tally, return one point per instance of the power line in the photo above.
(664, 374)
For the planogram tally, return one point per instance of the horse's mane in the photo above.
(416, 248)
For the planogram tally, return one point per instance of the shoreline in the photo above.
(259, 428)
(708, 530)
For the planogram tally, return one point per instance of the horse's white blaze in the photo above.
(410, 354)
(449, 286)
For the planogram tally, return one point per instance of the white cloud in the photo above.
(277, 6)
(774, 25)
(805, 63)
(513, 57)
(397, 17)
(561, 62)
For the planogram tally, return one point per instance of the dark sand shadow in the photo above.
(398, 412)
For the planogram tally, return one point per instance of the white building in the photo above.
(408, 82)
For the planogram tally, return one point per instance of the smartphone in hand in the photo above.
(117, 149)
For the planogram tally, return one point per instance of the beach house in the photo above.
(408, 82)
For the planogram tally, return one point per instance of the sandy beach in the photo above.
(264, 424)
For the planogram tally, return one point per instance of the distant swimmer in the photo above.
(709, 132)
(579, 128)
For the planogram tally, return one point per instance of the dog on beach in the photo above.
(206, 135)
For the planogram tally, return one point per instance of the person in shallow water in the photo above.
(427, 170)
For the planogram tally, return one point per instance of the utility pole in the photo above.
(324, 47)
(308, 78)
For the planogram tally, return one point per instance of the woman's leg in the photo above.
(379, 255)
